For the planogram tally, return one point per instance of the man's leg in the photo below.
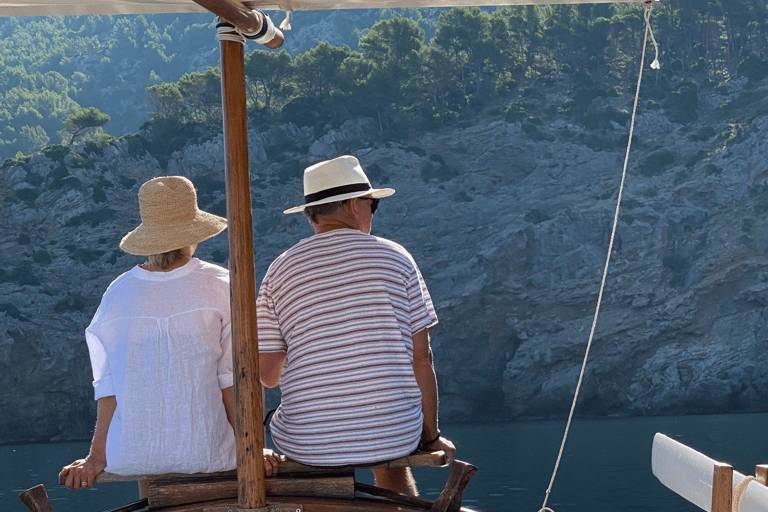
(396, 479)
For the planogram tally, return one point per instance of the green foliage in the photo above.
(56, 152)
(753, 67)
(402, 77)
(84, 121)
(136, 144)
(683, 102)
(19, 159)
(168, 134)
(515, 112)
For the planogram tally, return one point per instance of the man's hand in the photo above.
(445, 445)
(82, 473)
(271, 462)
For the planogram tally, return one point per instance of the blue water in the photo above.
(606, 465)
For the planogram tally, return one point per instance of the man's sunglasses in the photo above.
(374, 203)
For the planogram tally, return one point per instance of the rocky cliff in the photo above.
(510, 228)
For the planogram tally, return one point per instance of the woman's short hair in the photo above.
(166, 259)
(322, 209)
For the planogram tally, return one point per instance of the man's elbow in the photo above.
(270, 382)
(271, 368)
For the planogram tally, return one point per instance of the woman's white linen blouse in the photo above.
(161, 343)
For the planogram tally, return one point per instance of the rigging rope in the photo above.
(654, 65)
(738, 492)
(225, 31)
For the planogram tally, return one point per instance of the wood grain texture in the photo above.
(36, 499)
(245, 351)
(166, 493)
(722, 488)
(450, 499)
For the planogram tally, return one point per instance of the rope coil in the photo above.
(738, 492)
(225, 31)
(654, 65)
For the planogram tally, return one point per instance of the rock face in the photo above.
(511, 234)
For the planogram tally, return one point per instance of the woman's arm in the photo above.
(83, 472)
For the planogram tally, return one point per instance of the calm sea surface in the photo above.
(606, 466)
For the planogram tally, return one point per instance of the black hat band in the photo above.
(336, 191)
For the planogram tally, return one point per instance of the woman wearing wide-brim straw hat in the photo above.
(161, 352)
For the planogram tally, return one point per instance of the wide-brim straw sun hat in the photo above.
(170, 218)
(336, 180)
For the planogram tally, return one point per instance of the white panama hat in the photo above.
(336, 180)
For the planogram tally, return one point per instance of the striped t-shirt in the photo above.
(344, 306)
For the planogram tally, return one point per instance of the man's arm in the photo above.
(271, 367)
(427, 381)
(83, 472)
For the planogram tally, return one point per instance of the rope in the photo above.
(225, 31)
(738, 492)
(286, 23)
(648, 30)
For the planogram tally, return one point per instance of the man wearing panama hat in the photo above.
(161, 354)
(343, 318)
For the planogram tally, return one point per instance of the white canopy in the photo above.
(64, 7)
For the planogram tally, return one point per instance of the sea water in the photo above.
(606, 465)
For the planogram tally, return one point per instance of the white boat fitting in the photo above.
(704, 481)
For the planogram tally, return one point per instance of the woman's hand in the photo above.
(82, 472)
(271, 462)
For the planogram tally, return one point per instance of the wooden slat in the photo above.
(136, 506)
(761, 473)
(36, 499)
(722, 488)
(394, 496)
(450, 499)
(288, 467)
(166, 493)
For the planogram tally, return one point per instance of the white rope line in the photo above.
(648, 30)
(738, 492)
(227, 32)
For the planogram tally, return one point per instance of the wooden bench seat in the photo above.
(176, 491)
(289, 467)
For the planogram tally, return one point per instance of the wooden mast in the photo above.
(248, 392)
(248, 432)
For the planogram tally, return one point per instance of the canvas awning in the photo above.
(74, 7)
